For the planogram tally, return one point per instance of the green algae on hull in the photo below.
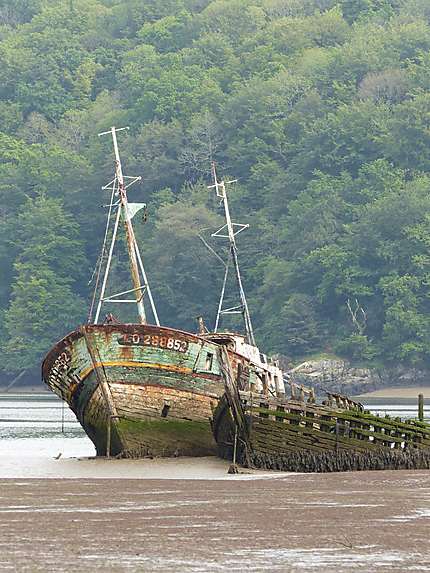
(147, 390)
(167, 438)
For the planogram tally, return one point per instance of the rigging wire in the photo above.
(102, 254)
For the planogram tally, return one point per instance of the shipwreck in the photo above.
(295, 433)
(143, 389)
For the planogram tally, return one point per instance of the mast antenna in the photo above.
(229, 231)
(125, 210)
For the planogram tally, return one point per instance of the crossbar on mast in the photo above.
(220, 187)
(119, 187)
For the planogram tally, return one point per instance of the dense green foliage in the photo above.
(320, 108)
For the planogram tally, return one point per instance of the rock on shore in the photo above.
(337, 375)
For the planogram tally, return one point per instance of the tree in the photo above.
(407, 137)
(201, 145)
(167, 34)
(43, 308)
(185, 277)
(49, 266)
(18, 12)
(359, 9)
(318, 107)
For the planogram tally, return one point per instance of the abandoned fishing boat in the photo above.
(294, 433)
(257, 425)
(144, 389)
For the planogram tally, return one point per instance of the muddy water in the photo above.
(189, 515)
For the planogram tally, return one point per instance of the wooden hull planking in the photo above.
(256, 430)
(138, 390)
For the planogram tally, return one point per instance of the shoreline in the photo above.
(392, 392)
(91, 467)
(388, 396)
(36, 389)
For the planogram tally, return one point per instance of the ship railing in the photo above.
(342, 402)
(300, 392)
(342, 427)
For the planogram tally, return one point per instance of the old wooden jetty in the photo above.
(294, 433)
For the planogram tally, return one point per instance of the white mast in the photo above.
(231, 234)
(127, 210)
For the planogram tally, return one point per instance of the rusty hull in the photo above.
(139, 390)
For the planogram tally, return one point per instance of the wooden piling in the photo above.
(421, 407)
(108, 437)
(235, 445)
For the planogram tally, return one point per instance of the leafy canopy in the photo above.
(319, 107)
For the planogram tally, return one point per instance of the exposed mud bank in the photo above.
(364, 521)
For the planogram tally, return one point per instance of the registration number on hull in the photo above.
(154, 340)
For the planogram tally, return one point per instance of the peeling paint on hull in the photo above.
(146, 390)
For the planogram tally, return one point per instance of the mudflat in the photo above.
(363, 521)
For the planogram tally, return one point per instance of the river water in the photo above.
(37, 428)
(34, 429)
(73, 512)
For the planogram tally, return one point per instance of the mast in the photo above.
(127, 211)
(220, 187)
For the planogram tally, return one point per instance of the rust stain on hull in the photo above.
(131, 364)
(160, 386)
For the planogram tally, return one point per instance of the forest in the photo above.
(320, 109)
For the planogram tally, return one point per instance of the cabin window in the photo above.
(209, 361)
(263, 358)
